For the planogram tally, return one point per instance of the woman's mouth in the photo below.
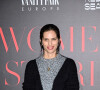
(50, 47)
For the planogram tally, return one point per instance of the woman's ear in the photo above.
(60, 40)
(40, 42)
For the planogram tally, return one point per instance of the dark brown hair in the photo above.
(49, 27)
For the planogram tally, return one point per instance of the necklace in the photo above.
(49, 65)
(48, 68)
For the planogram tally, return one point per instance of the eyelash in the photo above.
(52, 39)
(46, 39)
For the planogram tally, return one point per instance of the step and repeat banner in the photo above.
(20, 24)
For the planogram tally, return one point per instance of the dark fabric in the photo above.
(66, 79)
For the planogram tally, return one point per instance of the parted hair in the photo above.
(49, 27)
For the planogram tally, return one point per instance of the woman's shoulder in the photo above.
(68, 60)
(31, 63)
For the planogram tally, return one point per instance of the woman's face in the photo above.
(50, 42)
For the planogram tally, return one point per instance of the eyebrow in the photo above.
(47, 38)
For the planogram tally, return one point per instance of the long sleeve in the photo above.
(29, 77)
(72, 83)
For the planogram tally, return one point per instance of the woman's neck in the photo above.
(49, 56)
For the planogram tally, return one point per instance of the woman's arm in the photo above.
(29, 77)
(72, 83)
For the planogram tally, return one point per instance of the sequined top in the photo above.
(48, 69)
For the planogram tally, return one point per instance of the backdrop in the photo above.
(20, 23)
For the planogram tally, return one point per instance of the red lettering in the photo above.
(71, 39)
(3, 39)
(29, 39)
(81, 77)
(14, 39)
(62, 45)
(92, 73)
(83, 39)
(96, 50)
(12, 72)
(22, 63)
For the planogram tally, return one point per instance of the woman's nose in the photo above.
(50, 42)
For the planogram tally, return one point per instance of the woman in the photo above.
(51, 70)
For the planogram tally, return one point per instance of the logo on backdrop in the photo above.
(92, 5)
(40, 5)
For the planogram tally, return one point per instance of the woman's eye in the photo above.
(45, 39)
(54, 38)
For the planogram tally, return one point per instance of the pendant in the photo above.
(48, 69)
